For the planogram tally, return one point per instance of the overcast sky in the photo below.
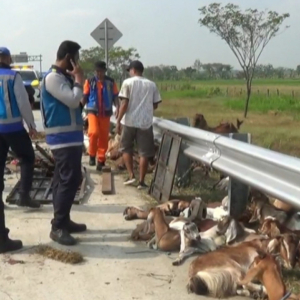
(163, 31)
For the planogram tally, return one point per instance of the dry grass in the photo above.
(67, 257)
(292, 280)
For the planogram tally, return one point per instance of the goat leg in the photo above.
(132, 213)
(257, 291)
(243, 292)
(183, 255)
(152, 243)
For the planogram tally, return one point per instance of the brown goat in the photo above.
(272, 228)
(263, 209)
(217, 273)
(266, 270)
(224, 127)
(170, 208)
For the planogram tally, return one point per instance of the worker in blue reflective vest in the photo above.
(61, 94)
(14, 108)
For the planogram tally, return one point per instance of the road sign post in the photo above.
(106, 35)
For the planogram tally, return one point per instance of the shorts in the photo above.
(143, 137)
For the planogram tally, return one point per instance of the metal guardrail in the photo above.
(276, 174)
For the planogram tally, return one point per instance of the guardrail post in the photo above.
(238, 192)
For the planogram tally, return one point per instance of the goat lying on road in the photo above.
(234, 231)
(272, 228)
(196, 212)
(217, 273)
(171, 208)
(266, 270)
(168, 239)
(263, 209)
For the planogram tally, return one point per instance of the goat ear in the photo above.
(232, 232)
(274, 231)
(256, 215)
(273, 245)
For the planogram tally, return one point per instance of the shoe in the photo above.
(63, 237)
(142, 186)
(100, 166)
(92, 161)
(9, 245)
(75, 227)
(129, 181)
(26, 201)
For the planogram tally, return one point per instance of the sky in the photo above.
(163, 31)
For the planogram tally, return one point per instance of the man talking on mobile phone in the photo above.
(61, 93)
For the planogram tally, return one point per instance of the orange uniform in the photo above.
(99, 122)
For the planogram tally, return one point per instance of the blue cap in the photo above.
(4, 51)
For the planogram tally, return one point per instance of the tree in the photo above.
(247, 33)
(118, 60)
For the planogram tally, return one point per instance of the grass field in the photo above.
(274, 110)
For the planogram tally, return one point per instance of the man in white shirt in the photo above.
(139, 98)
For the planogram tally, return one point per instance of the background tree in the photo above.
(246, 33)
(118, 60)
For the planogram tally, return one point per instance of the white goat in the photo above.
(218, 212)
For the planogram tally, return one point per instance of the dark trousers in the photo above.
(21, 145)
(66, 180)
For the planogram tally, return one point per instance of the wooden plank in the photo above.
(107, 188)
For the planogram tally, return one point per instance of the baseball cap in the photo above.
(4, 51)
(137, 65)
(100, 65)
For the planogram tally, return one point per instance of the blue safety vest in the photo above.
(63, 125)
(10, 116)
(108, 96)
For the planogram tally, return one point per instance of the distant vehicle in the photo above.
(30, 77)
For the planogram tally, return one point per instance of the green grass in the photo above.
(273, 120)
(263, 104)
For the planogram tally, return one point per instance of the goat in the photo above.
(139, 233)
(224, 127)
(195, 212)
(217, 273)
(263, 209)
(234, 231)
(169, 239)
(217, 212)
(172, 207)
(266, 270)
(272, 228)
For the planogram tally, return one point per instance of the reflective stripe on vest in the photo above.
(6, 75)
(60, 129)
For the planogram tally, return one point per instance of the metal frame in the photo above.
(43, 184)
(164, 175)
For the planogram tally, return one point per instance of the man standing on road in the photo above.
(62, 91)
(100, 93)
(14, 106)
(139, 98)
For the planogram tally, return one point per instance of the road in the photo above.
(114, 267)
